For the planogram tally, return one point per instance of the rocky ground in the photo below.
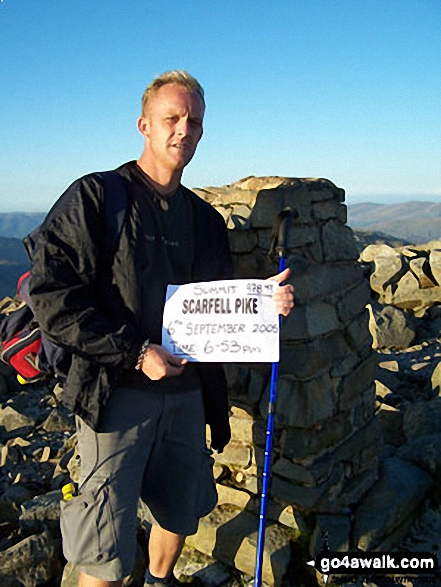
(409, 404)
(37, 441)
(37, 457)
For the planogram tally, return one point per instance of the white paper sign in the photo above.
(222, 321)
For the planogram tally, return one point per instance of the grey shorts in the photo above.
(152, 446)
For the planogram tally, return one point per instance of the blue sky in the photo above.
(349, 90)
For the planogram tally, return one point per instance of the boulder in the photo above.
(389, 327)
(425, 452)
(388, 509)
(435, 264)
(42, 511)
(13, 420)
(230, 536)
(422, 418)
(435, 379)
(31, 562)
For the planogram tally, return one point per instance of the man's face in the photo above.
(172, 126)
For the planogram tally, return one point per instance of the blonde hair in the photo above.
(178, 76)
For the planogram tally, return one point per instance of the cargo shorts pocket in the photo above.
(88, 527)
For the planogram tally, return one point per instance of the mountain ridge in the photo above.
(19, 224)
(413, 222)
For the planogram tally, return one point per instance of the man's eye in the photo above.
(172, 119)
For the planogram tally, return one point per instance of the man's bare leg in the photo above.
(164, 550)
(88, 581)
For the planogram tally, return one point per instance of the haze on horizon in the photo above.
(349, 91)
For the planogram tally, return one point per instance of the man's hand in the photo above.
(283, 295)
(159, 363)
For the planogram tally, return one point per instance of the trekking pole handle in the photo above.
(279, 237)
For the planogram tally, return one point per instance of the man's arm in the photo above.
(66, 272)
(158, 363)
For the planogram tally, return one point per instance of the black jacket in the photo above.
(86, 298)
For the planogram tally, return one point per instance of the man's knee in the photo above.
(85, 580)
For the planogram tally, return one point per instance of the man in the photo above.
(140, 411)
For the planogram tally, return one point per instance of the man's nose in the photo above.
(183, 127)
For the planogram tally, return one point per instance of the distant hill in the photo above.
(19, 224)
(413, 222)
(13, 263)
(364, 238)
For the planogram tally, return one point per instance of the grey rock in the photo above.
(338, 242)
(353, 302)
(435, 379)
(306, 360)
(329, 209)
(390, 504)
(59, 420)
(270, 202)
(241, 424)
(43, 510)
(367, 436)
(33, 561)
(214, 575)
(299, 443)
(309, 321)
(392, 425)
(302, 404)
(231, 536)
(13, 420)
(424, 452)
(257, 383)
(332, 531)
(317, 281)
(305, 497)
(11, 500)
(194, 564)
(235, 453)
(242, 241)
(389, 327)
(422, 418)
(358, 486)
(355, 383)
(435, 264)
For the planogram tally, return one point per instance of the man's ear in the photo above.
(143, 126)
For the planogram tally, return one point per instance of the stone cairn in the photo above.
(327, 438)
(328, 484)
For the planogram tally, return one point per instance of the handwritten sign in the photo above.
(222, 321)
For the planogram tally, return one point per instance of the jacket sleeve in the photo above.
(68, 267)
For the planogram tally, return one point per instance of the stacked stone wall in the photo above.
(327, 438)
(327, 369)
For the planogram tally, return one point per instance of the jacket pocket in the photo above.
(88, 527)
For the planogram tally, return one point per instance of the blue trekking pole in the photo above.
(278, 246)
